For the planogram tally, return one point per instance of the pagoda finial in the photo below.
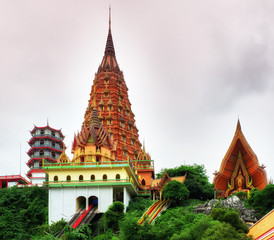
(109, 50)
(109, 20)
(238, 128)
(144, 148)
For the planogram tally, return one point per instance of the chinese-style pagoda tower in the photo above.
(109, 94)
(240, 170)
(46, 143)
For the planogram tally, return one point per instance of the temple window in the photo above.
(68, 178)
(106, 81)
(109, 107)
(92, 177)
(82, 159)
(118, 177)
(36, 165)
(125, 153)
(106, 94)
(122, 124)
(42, 142)
(53, 143)
(143, 182)
(101, 108)
(123, 138)
(129, 128)
(109, 122)
(119, 110)
(105, 177)
(41, 152)
(53, 133)
(111, 136)
(42, 131)
(127, 112)
(53, 154)
(55, 179)
(81, 178)
(132, 142)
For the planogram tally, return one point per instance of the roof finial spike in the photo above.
(238, 128)
(144, 147)
(109, 26)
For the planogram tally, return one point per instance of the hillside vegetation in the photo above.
(23, 214)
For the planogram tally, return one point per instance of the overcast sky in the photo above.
(192, 68)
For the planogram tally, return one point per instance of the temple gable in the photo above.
(240, 170)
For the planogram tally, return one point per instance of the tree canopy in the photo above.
(175, 191)
(22, 210)
(263, 200)
(196, 181)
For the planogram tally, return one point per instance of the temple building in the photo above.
(45, 143)
(240, 169)
(109, 93)
(12, 180)
(109, 163)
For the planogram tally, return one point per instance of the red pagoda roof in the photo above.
(13, 178)
(47, 127)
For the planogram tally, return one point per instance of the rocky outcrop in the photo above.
(247, 215)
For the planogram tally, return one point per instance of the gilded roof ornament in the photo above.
(101, 103)
(110, 103)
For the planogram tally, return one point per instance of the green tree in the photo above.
(175, 191)
(139, 205)
(231, 217)
(131, 230)
(82, 233)
(223, 231)
(114, 215)
(21, 211)
(196, 181)
(263, 200)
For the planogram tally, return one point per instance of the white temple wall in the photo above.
(62, 201)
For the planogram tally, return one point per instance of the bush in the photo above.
(241, 195)
(231, 217)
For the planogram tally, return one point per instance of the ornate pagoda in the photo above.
(240, 169)
(46, 143)
(109, 95)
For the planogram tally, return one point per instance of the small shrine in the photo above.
(157, 185)
(240, 170)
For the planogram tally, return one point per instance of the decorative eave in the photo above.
(47, 127)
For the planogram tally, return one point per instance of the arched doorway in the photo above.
(93, 200)
(80, 203)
